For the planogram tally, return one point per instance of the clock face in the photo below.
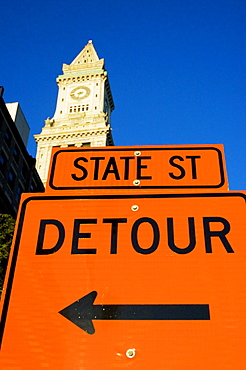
(80, 92)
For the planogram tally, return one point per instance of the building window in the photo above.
(78, 108)
(16, 154)
(24, 170)
(86, 144)
(70, 145)
(3, 161)
(7, 137)
(11, 178)
(18, 193)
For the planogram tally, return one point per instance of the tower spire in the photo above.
(83, 110)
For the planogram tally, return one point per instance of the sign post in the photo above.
(161, 274)
(133, 257)
(152, 168)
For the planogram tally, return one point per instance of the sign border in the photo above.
(21, 218)
(116, 149)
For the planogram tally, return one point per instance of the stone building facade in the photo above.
(83, 110)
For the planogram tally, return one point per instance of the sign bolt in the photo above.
(135, 207)
(136, 182)
(137, 153)
(131, 352)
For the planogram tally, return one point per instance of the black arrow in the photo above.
(82, 312)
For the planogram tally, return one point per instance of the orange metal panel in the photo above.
(140, 254)
(139, 168)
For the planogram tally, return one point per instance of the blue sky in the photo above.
(176, 67)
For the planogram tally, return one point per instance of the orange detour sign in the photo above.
(116, 281)
(158, 167)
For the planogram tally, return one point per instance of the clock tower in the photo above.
(83, 109)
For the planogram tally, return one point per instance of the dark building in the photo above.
(17, 167)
